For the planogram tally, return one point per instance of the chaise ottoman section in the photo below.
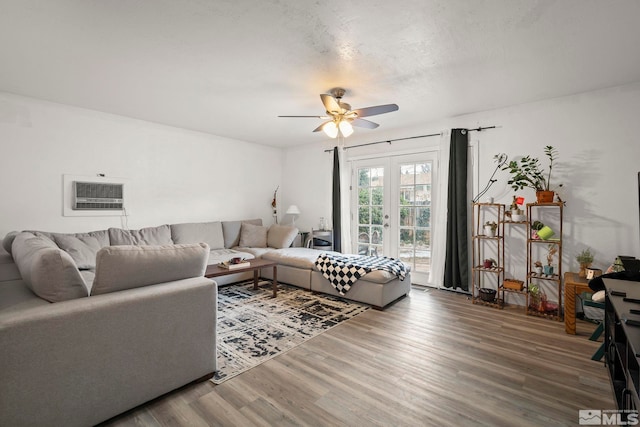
(378, 288)
(297, 266)
(294, 265)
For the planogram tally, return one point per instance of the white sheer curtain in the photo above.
(345, 199)
(439, 225)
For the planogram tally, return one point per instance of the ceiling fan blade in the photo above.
(312, 117)
(364, 123)
(378, 109)
(330, 103)
(319, 128)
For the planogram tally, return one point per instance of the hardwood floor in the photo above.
(431, 359)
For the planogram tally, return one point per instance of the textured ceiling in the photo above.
(230, 68)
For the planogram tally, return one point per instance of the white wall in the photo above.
(174, 175)
(595, 134)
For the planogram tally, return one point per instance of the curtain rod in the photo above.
(389, 141)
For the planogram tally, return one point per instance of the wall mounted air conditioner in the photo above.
(97, 196)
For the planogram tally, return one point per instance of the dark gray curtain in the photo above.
(456, 266)
(337, 222)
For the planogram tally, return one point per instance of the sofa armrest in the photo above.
(82, 361)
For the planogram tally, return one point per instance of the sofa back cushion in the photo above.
(196, 232)
(7, 242)
(47, 270)
(281, 236)
(126, 267)
(160, 235)
(231, 230)
(253, 236)
(82, 249)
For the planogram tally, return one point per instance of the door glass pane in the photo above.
(407, 216)
(406, 195)
(370, 210)
(415, 215)
(423, 194)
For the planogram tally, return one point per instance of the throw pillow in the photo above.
(253, 236)
(281, 236)
(127, 267)
(83, 249)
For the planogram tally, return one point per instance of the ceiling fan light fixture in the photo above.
(345, 128)
(331, 129)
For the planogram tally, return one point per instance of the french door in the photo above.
(392, 206)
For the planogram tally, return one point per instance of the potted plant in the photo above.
(490, 228)
(528, 172)
(537, 225)
(489, 263)
(552, 249)
(584, 258)
(534, 296)
(537, 267)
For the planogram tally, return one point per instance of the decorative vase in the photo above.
(583, 269)
(548, 270)
(538, 270)
(487, 263)
(489, 231)
(545, 196)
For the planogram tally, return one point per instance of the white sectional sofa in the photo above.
(93, 324)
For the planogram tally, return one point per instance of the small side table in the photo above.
(573, 285)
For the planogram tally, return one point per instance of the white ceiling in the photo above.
(229, 67)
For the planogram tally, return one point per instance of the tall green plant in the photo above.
(529, 172)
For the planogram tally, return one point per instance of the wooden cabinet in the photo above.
(487, 278)
(544, 304)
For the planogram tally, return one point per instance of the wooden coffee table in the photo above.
(256, 265)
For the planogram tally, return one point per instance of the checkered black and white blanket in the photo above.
(343, 271)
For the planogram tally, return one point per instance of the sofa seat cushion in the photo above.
(216, 256)
(155, 236)
(295, 257)
(256, 252)
(47, 270)
(16, 296)
(196, 232)
(305, 258)
(127, 267)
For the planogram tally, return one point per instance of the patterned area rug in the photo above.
(254, 327)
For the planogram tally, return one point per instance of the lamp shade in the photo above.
(293, 210)
(330, 129)
(345, 128)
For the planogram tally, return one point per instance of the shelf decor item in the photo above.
(513, 284)
(489, 263)
(545, 233)
(537, 267)
(487, 294)
(490, 228)
(528, 172)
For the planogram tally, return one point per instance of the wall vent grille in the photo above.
(97, 196)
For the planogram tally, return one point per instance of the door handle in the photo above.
(386, 225)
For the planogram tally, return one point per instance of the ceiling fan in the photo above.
(341, 118)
